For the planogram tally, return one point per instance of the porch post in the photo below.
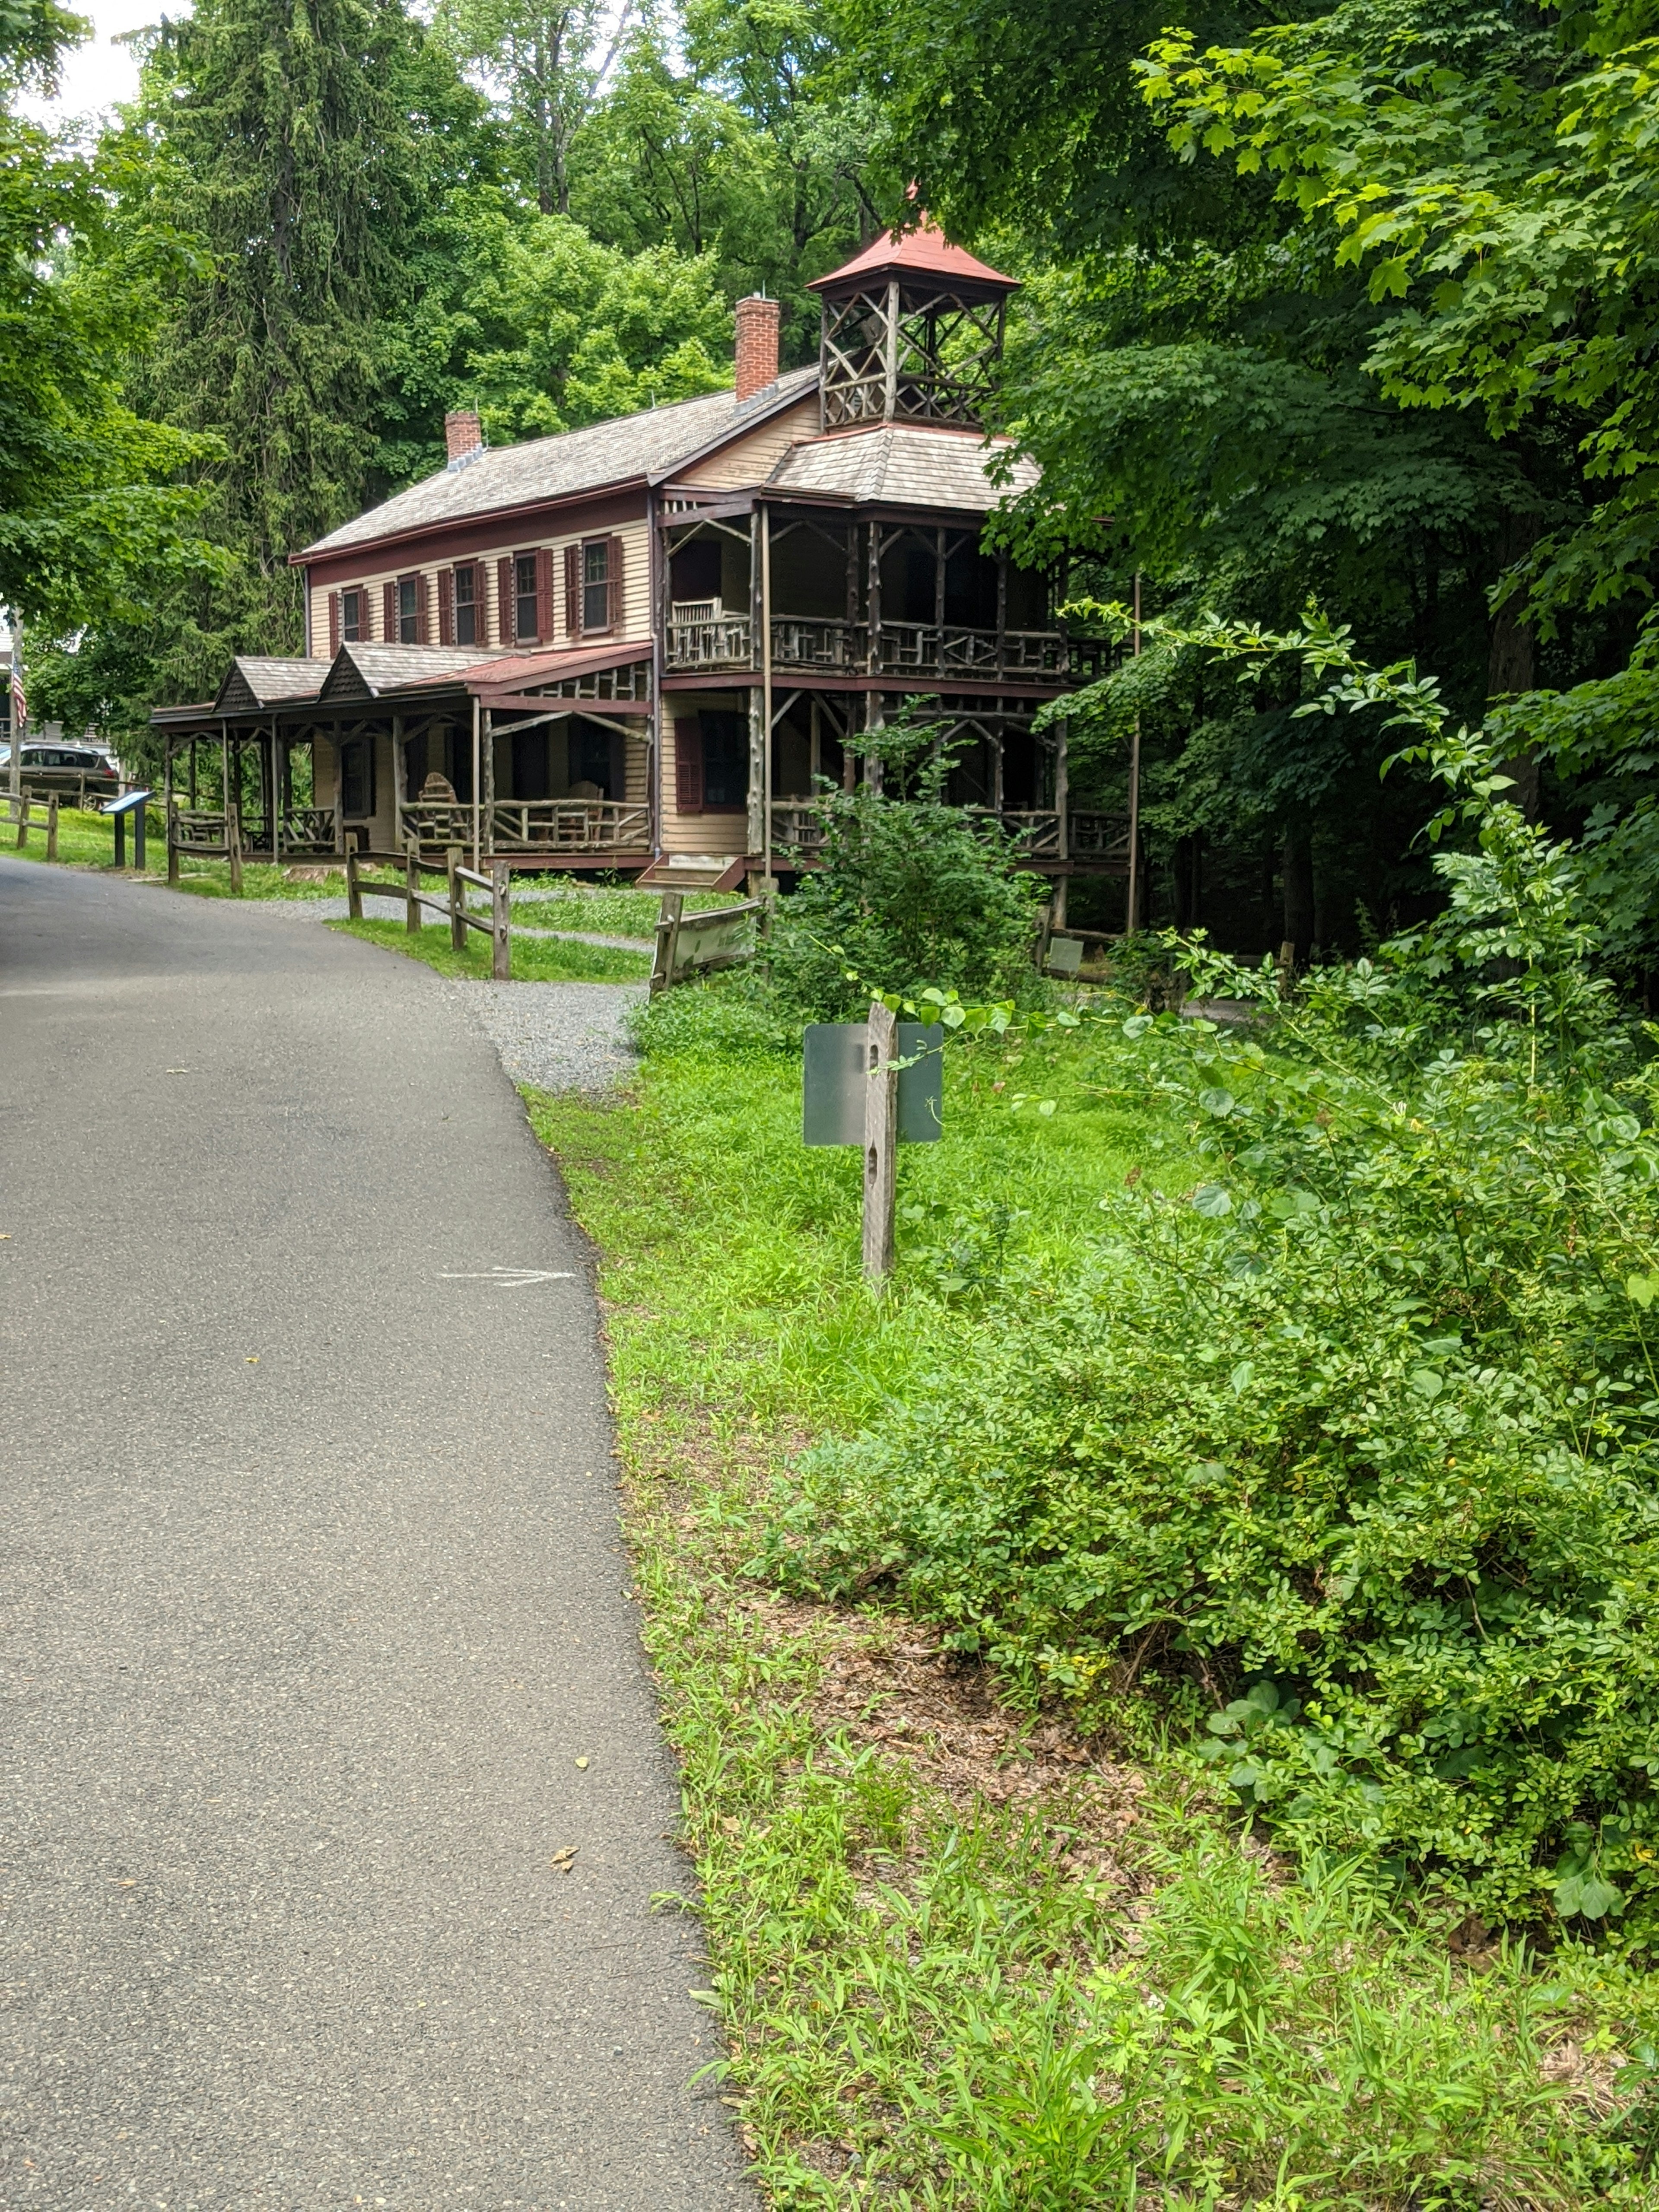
(489, 741)
(872, 697)
(766, 692)
(889, 397)
(399, 780)
(1062, 802)
(477, 770)
(756, 828)
(939, 600)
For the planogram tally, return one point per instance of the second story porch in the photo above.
(852, 597)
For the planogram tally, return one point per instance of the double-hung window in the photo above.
(596, 586)
(526, 629)
(353, 628)
(466, 606)
(408, 610)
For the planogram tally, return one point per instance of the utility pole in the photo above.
(15, 693)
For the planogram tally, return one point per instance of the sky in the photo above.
(97, 75)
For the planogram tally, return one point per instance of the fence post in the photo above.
(668, 942)
(880, 1142)
(51, 826)
(501, 917)
(354, 888)
(457, 900)
(234, 845)
(173, 842)
(412, 888)
(23, 822)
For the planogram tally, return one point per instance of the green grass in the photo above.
(609, 910)
(84, 840)
(261, 880)
(535, 959)
(1082, 1986)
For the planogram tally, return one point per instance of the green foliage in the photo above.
(541, 328)
(1014, 2001)
(909, 893)
(89, 521)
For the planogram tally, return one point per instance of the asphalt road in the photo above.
(313, 1603)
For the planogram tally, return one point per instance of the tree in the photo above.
(541, 328)
(89, 516)
(299, 140)
(1198, 360)
(550, 59)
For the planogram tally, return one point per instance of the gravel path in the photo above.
(558, 1037)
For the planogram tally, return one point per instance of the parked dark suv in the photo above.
(80, 775)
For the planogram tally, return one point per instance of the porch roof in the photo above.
(903, 465)
(361, 673)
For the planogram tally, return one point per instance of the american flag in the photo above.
(20, 705)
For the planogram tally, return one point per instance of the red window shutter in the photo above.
(613, 576)
(389, 605)
(544, 594)
(688, 764)
(422, 636)
(573, 591)
(333, 624)
(446, 606)
(504, 596)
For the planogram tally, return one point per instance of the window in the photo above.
(724, 762)
(356, 778)
(408, 610)
(352, 625)
(596, 586)
(526, 628)
(466, 606)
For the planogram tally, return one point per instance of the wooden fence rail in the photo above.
(18, 811)
(696, 943)
(498, 928)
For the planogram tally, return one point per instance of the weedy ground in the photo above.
(964, 1958)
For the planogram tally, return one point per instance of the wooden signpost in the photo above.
(876, 1083)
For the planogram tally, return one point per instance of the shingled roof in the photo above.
(651, 445)
(901, 465)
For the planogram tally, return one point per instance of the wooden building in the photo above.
(634, 646)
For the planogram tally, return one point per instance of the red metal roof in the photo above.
(925, 250)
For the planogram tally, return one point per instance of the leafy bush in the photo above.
(910, 893)
(1354, 1447)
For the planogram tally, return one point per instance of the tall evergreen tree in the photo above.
(300, 141)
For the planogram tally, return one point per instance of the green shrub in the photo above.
(909, 893)
(1351, 1447)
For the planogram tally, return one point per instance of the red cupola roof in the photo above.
(921, 252)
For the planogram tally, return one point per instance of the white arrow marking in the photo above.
(511, 1278)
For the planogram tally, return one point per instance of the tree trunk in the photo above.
(1509, 665)
(1299, 890)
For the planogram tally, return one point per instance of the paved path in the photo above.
(303, 1654)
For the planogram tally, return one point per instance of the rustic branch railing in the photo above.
(805, 641)
(1100, 836)
(722, 642)
(796, 829)
(567, 825)
(906, 648)
(307, 832)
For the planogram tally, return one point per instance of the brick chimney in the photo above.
(758, 320)
(465, 434)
